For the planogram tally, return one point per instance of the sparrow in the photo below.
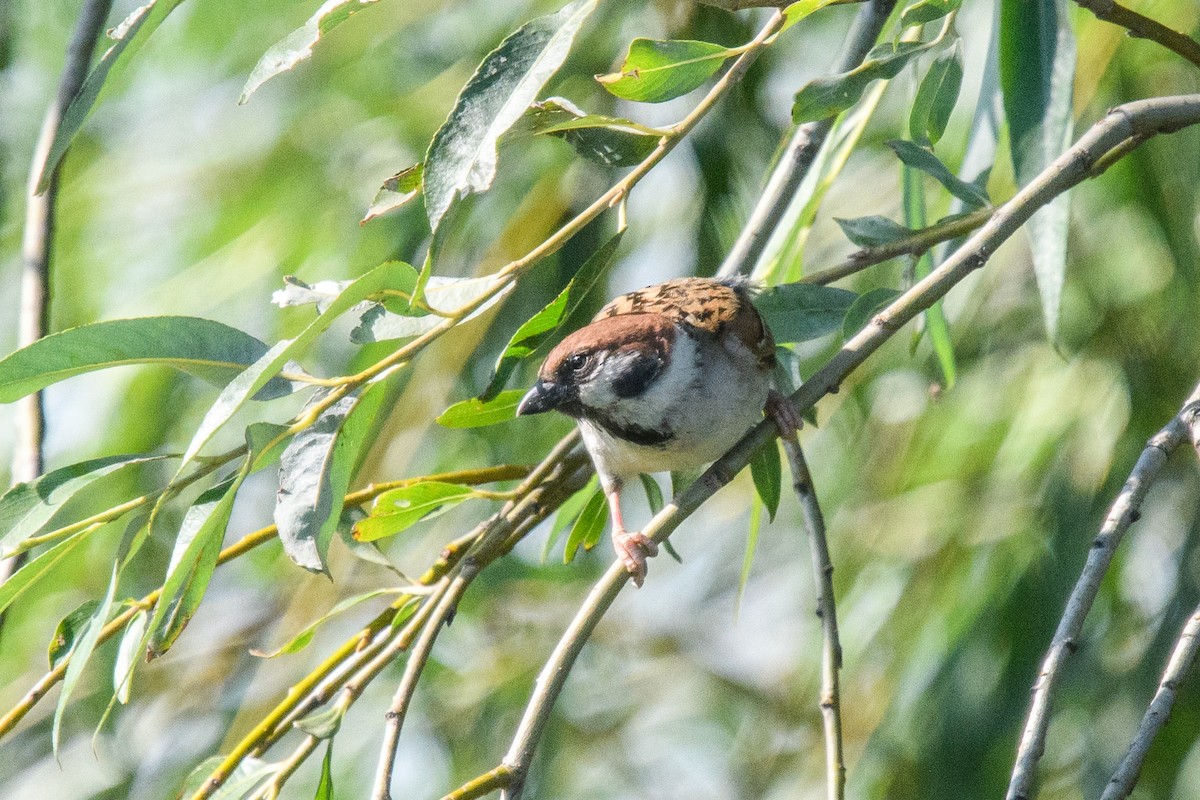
(666, 378)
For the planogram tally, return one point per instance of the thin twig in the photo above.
(1124, 512)
(831, 646)
(1159, 115)
(798, 157)
(482, 785)
(1142, 27)
(1123, 780)
(34, 316)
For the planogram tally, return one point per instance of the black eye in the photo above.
(576, 362)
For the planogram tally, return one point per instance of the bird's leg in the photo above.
(632, 548)
(780, 410)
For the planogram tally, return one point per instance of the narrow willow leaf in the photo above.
(475, 413)
(935, 322)
(245, 385)
(396, 320)
(66, 635)
(797, 312)
(396, 191)
(826, 97)
(399, 509)
(462, 156)
(298, 45)
(654, 496)
(208, 350)
(128, 651)
(588, 526)
(872, 231)
(543, 325)
(567, 513)
(129, 36)
(752, 532)
(658, 70)
(305, 510)
(325, 784)
(38, 567)
(26, 508)
(798, 11)
(767, 472)
(917, 157)
(1037, 73)
(89, 635)
(866, 306)
(936, 96)
(304, 638)
(611, 141)
(927, 11)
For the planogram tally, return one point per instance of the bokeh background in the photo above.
(959, 518)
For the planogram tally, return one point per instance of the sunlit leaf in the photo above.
(462, 156)
(922, 158)
(475, 413)
(797, 312)
(544, 324)
(588, 527)
(826, 97)
(1037, 74)
(611, 141)
(872, 231)
(866, 306)
(798, 11)
(399, 509)
(767, 472)
(81, 651)
(130, 35)
(298, 45)
(396, 191)
(936, 96)
(209, 350)
(657, 70)
(128, 652)
(385, 321)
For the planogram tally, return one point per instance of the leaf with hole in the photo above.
(658, 70)
(462, 156)
(399, 509)
(797, 312)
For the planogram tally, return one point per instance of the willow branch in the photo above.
(34, 315)
(1142, 27)
(1160, 115)
(1125, 510)
(831, 646)
(1183, 658)
(801, 151)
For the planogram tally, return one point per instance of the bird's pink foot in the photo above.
(633, 549)
(782, 412)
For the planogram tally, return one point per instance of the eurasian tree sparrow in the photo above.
(663, 379)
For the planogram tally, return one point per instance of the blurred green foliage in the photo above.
(959, 518)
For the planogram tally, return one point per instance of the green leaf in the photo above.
(400, 509)
(26, 508)
(766, 470)
(396, 191)
(798, 11)
(66, 635)
(298, 45)
(610, 141)
(588, 526)
(130, 35)
(462, 156)
(936, 96)
(475, 413)
(128, 651)
(1037, 74)
(752, 532)
(827, 97)
(797, 312)
(38, 567)
(872, 231)
(544, 324)
(325, 785)
(209, 350)
(304, 638)
(386, 276)
(82, 650)
(927, 11)
(396, 320)
(322, 724)
(917, 157)
(934, 318)
(249, 773)
(866, 306)
(654, 496)
(657, 70)
(568, 512)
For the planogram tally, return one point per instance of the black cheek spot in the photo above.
(637, 377)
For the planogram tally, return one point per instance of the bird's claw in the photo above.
(633, 549)
(782, 412)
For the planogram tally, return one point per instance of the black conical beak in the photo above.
(544, 396)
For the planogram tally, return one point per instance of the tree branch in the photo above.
(34, 314)
(801, 151)
(1145, 117)
(1124, 512)
(1142, 27)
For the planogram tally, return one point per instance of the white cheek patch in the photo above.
(597, 390)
